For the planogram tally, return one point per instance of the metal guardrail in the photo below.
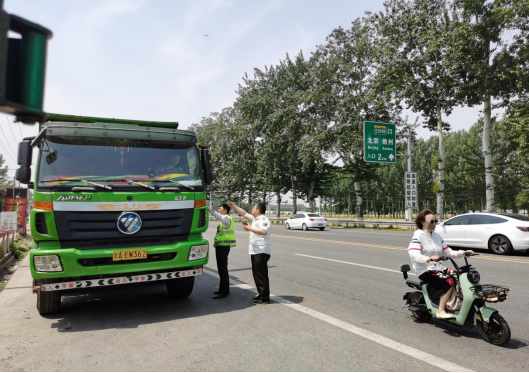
(374, 223)
(6, 239)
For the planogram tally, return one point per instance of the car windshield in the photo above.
(74, 161)
(516, 216)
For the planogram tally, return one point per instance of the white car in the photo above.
(500, 233)
(305, 221)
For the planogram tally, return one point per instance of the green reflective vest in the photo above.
(225, 237)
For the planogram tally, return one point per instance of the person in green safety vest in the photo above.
(224, 240)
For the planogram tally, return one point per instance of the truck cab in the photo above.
(116, 202)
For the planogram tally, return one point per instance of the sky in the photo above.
(152, 60)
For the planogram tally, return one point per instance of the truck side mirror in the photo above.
(25, 151)
(206, 165)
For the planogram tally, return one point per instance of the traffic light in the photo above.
(22, 68)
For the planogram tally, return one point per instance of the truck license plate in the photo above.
(129, 254)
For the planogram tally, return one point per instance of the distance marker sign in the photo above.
(380, 144)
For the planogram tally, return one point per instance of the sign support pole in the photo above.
(409, 216)
(409, 210)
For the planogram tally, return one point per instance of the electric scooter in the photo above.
(473, 312)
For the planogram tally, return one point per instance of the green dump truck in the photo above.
(116, 202)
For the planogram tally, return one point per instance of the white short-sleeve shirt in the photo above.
(259, 244)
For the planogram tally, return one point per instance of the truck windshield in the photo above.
(73, 160)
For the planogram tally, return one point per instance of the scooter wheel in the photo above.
(496, 331)
(421, 316)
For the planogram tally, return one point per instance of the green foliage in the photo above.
(293, 120)
(15, 250)
(4, 180)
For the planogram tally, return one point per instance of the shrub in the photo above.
(15, 250)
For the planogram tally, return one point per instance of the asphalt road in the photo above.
(337, 307)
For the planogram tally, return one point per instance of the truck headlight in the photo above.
(47, 263)
(198, 252)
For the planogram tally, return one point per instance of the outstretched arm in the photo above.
(238, 210)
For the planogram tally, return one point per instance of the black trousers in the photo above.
(438, 286)
(221, 253)
(260, 275)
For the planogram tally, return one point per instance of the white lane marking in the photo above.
(382, 233)
(386, 342)
(353, 264)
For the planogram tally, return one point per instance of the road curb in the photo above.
(6, 262)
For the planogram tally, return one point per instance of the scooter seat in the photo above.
(414, 282)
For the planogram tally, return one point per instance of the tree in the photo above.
(260, 103)
(484, 58)
(283, 104)
(4, 179)
(350, 61)
(415, 37)
(233, 152)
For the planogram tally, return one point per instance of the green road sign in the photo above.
(380, 142)
(22, 67)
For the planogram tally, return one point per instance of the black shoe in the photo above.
(256, 299)
(261, 302)
(217, 292)
(220, 296)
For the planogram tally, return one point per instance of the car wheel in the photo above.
(287, 226)
(500, 245)
(305, 228)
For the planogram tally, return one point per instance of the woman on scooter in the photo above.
(426, 247)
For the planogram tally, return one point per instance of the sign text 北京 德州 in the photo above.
(380, 144)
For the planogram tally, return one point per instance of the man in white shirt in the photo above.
(259, 249)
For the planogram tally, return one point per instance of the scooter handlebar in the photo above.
(440, 259)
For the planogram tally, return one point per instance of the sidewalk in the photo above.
(14, 299)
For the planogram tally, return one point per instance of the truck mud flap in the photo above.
(122, 280)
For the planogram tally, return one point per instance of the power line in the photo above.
(12, 152)
(11, 128)
(21, 135)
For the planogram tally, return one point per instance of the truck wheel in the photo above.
(48, 302)
(180, 288)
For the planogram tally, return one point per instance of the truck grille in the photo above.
(98, 230)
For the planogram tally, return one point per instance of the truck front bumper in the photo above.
(95, 263)
(93, 282)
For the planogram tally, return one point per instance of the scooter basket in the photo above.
(491, 293)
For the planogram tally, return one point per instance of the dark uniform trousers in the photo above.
(260, 275)
(221, 253)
